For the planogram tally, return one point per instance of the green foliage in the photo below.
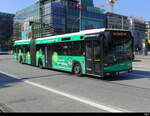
(10, 42)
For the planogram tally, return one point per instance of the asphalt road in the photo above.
(24, 88)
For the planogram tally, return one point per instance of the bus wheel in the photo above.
(113, 75)
(40, 64)
(130, 71)
(77, 70)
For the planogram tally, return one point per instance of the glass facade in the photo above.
(86, 2)
(6, 27)
(53, 13)
(23, 18)
(117, 21)
(88, 17)
(138, 29)
(61, 16)
(91, 24)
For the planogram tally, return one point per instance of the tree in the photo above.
(10, 42)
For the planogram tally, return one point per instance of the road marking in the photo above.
(79, 99)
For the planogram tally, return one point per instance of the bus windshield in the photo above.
(118, 47)
(121, 45)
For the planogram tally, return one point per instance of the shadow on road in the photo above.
(42, 76)
(7, 81)
(137, 61)
(136, 74)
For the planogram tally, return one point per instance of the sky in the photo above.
(139, 8)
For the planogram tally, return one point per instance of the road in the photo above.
(24, 88)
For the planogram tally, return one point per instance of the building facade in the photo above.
(138, 29)
(148, 35)
(148, 31)
(61, 16)
(6, 27)
(22, 27)
(117, 21)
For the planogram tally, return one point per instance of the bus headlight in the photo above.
(105, 64)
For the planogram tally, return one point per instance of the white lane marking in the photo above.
(82, 100)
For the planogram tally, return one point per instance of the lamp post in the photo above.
(148, 32)
(80, 16)
(78, 19)
(74, 24)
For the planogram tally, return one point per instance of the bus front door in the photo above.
(93, 56)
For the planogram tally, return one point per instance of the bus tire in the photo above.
(77, 70)
(40, 64)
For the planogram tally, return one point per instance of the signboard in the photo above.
(26, 31)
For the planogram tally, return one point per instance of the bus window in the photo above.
(62, 49)
(69, 48)
(78, 48)
(41, 47)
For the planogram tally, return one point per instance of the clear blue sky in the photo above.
(140, 8)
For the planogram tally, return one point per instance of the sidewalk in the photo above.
(142, 62)
(142, 57)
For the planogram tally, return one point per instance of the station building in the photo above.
(117, 21)
(53, 17)
(138, 29)
(148, 35)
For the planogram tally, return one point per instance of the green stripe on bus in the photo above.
(119, 67)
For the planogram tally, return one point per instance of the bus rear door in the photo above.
(33, 53)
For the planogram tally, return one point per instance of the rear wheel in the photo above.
(40, 64)
(20, 61)
(77, 70)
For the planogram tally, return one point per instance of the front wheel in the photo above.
(77, 70)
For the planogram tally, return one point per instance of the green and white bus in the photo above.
(96, 52)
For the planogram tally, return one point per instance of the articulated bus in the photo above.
(97, 52)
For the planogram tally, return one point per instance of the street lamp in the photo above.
(75, 23)
(80, 18)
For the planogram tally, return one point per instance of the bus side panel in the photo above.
(65, 63)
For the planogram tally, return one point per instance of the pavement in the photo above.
(24, 88)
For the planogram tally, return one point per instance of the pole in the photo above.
(148, 32)
(80, 17)
(122, 22)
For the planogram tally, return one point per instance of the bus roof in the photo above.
(22, 42)
(77, 33)
(81, 33)
(90, 31)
